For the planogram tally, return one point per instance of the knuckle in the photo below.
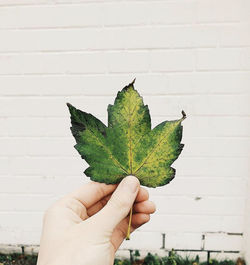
(120, 203)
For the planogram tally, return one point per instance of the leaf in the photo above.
(128, 146)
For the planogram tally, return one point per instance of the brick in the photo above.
(31, 250)
(245, 11)
(183, 241)
(88, 14)
(47, 167)
(26, 127)
(169, 61)
(61, 128)
(23, 2)
(206, 36)
(4, 169)
(13, 147)
(204, 127)
(180, 12)
(167, 37)
(232, 224)
(223, 242)
(8, 237)
(203, 187)
(74, 1)
(219, 59)
(38, 127)
(67, 183)
(127, 62)
(208, 83)
(9, 249)
(145, 240)
(122, 253)
(52, 106)
(24, 185)
(51, 147)
(82, 85)
(108, 38)
(62, 39)
(116, 13)
(177, 223)
(159, 37)
(214, 11)
(235, 35)
(152, 84)
(201, 105)
(21, 237)
(147, 84)
(45, 85)
(97, 106)
(220, 147)
(26, 220)
(4, 127)
(246, 58)
(162, 37)
(222, 105)
(205, 205)
(52, 63)
(212, 166)
(25, 202)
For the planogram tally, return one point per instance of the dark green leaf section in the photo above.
(127, 146)
(90, 135)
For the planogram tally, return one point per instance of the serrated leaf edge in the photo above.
(148, 156)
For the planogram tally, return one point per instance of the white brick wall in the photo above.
(185, 54)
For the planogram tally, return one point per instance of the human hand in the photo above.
(87, 226)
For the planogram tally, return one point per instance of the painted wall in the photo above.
(185, 54)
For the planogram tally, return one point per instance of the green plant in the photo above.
(150, 259)
(18, 259)
(172, 259)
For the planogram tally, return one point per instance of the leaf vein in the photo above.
(108, 151)
(150, 154)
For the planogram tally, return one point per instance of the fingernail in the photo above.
(130, 183)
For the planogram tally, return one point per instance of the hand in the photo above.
(87, 226)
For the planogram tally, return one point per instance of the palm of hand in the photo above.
(87, 226)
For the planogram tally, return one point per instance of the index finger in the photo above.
(92, 192)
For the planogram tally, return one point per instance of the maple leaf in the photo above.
(128, 145)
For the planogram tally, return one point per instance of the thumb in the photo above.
(119, 204)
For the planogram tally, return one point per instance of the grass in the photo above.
(172, 259)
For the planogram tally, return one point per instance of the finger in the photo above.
(91, 193)
(118, 206)
(119, 234)
(98, 206)
(141, 196)
(147, 207)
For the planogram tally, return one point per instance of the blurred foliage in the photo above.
(171, 259)
(135, 259)
(17, 259)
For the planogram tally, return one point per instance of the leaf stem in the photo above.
(129, 224)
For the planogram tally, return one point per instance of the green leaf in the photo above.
(128, 146)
